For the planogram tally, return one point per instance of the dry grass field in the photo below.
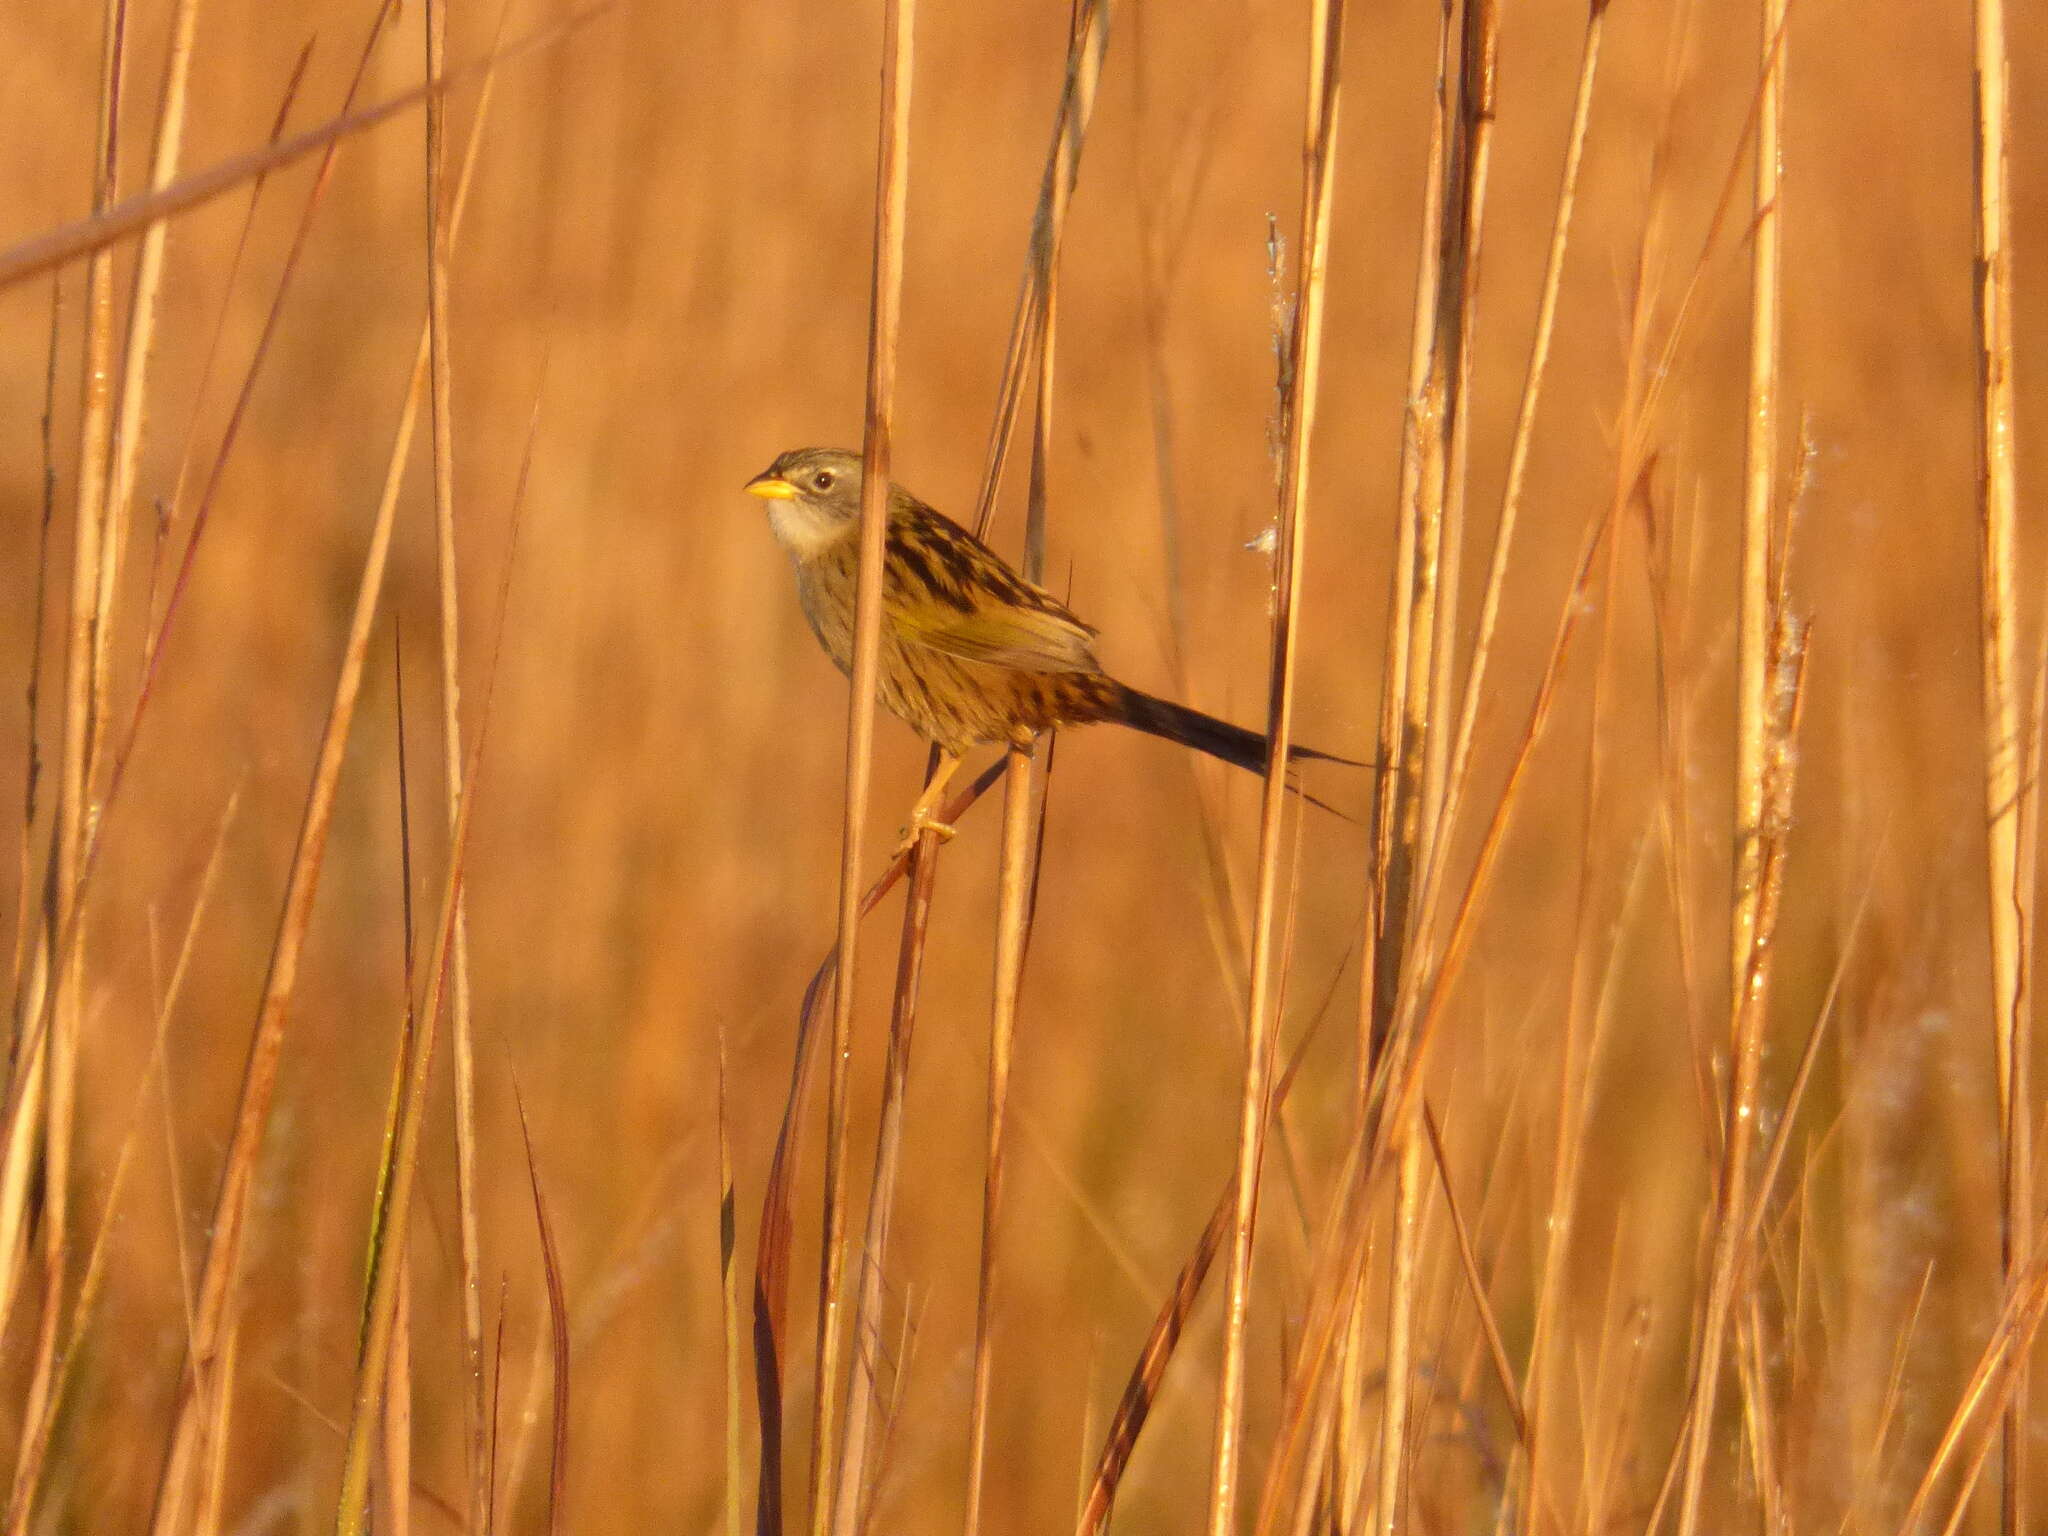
(661, 280)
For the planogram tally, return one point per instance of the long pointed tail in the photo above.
(1205, 733)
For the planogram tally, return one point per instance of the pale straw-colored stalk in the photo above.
(142, 311)
(728, 1304)
(884, 314)
(65, 946)
(1012, 885)
(2010, 893)
(54, 248)
(1524, 437)
(1325, 61)
(864, 1401)
(461, 1040)
(1087, 38)
(1754, 731)
(223, 1249)
(1440, 414)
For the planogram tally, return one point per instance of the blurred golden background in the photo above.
(667, 258)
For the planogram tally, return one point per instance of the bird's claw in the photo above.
(920, 824)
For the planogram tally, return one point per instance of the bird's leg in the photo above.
(924, 814)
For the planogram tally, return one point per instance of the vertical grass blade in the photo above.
(885, 306)
(728, 1301)
(2011, 896)
(1755, 730)
(864, 1403)
(142, 311)
(1326, 24)
(442, 419)
(301, 883)
(65, 963)
(45, 252)
(1012, 884)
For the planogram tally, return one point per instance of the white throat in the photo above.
(802, 529)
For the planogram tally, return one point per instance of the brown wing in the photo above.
(952, 593)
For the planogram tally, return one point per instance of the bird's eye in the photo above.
(822, 480)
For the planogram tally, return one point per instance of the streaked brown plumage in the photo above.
(971, 651)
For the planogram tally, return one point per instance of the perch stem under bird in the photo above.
(971, 651)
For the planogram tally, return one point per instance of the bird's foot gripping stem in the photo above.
(924, 816)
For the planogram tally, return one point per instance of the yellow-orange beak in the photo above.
(771, 487)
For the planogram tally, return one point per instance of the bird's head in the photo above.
(813, 496)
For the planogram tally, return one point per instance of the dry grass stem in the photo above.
(260, 1075)
(2005, 778)
(45, 252)
(462, 1044)
(35, 1440)
(864, 1403)
(398, 1174)
(772, 1250)
(558, 1332)
(884, 313)
(142, 313)
(1326, 23)
(1142, 1389)
(1440, 418)
(1013, 882)
(729, 1308)
(57, 1058)
(1551, 1229)
(1523, 441)
(1088, 38)
(1760, 730)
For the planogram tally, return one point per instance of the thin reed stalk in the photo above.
(1404, 712)
(129, 421)
(394, 1503)
(1457, 301)
(1475, 1283)
(55, 248)
(772, 1244)
(1524, 438)
(1440, 417)
(1088, 38)
(31, 961)
(213, 1497)
(37, 1432)
(729, 1307)
(398, 1174)
(1755, 732)
(62, 922)
(1325, 72)
(1986, 1394)
(884, 313)
(1030, 340)
(2005, 783)
(1017, 869)
(1013, 883)
(461, 1041)
(259, 1082)
(1400, 749)
(1343, 1246)
(1399, 1374)
(864, 1404)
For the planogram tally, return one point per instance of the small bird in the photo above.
(971, 651)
